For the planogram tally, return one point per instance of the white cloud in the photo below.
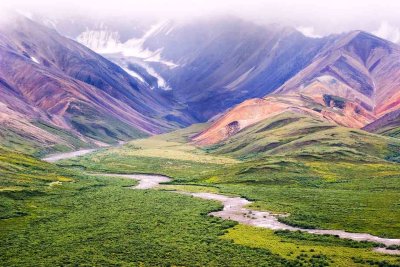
(324, 16)
(388, 32)
(308, 31)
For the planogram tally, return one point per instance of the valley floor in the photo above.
(62, 215)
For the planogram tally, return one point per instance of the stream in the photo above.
(234, 208)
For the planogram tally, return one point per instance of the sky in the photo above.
(314, 18)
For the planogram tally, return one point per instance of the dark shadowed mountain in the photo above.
(221, 62)
(216, 62)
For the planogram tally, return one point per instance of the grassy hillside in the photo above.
(101, 127)
(31, 143)
(301, 136)
(24, 177)
(351, 189)
(388, 125)
(42, 138)
(308, 249)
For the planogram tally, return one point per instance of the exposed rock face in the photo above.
(352, 81)
(47, 77)
(224, 61)
(357, 66)
(388, 124)
(217, 62)
(255, 110)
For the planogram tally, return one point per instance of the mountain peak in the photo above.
(363, 39)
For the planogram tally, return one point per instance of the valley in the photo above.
(205, 175)
(209, 141)
(234, 207)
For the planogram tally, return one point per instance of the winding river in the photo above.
(234, 208)
(68, 155)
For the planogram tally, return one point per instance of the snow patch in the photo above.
(35, 60)
(101, 41)
(107, 42)
(160, 80)
(134, 74)
(156, 57)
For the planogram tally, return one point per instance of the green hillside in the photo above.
(301, 136)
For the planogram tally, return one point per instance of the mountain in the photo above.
(217, 62)
(54, 89)
(352, 81)
(389, 124)
(234, 61)
(348, 79)
(255, 110)
(118, 39)
(357, 66)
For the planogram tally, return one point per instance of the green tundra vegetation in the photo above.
(342, 180)
(319, 174)
(52, 216)
(30, 143)
(308, 248)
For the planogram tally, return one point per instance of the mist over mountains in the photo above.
(121, 82)
(200, 133)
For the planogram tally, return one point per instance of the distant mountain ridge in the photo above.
(170, 74)
(217, 62)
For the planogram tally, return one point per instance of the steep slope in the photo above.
(357, 66)
(253, 111)
(238, 60)
(217, 62)
(120, 40)
(387, 125)
(50, 79)
(234, 61)
(353, 81)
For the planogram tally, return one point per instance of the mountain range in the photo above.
(74, 83)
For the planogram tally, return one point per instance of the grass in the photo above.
(28, 143)
(33, 144)
(101, 127)
(340, 181)
(166, 154)
(328, 208)
(311, 250)
(74, 143)
(98, 221)
(296, 135)
(22, 177)
(90, 221)
(347, 185)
